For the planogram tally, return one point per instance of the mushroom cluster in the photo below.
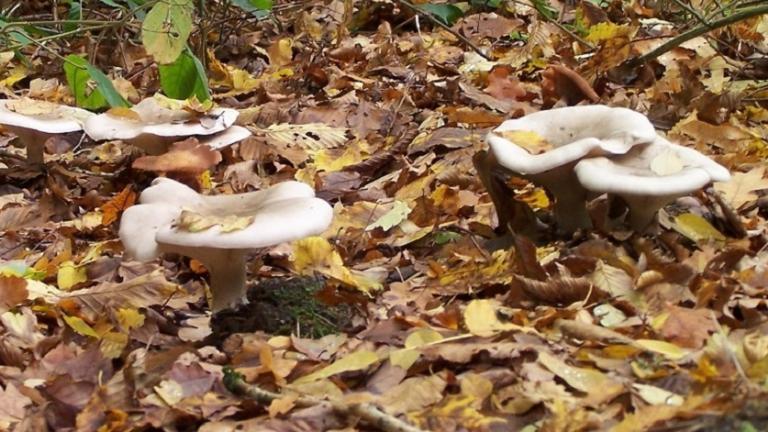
(580, 151)
(220, 230)
(155, 123)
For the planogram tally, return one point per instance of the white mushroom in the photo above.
(230, 136)
(570, 134)
(284, 212)
(35, 121)
(650, 176)
(153, 127)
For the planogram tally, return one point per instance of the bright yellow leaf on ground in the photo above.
(315, 254)
(70, 275)
(358, 360)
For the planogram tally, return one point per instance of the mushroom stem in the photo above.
(570, 208)
(643, 209)
(226, 268)
(33, 140)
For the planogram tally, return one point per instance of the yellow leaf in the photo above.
(606, 31)
(17, 74)
(532, 142)
(195, 222)
(70, 275)
(392, 218)
(80, 326)
(358, 360)
(112, 344)
(668, 350)
(124, 113)
(697, 228)
(280, 53)
(405, 358)
(206, 183)
(315, 254)
(130, 318)
(481, 319)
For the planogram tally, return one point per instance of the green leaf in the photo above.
(75, 13)
(260, 8)
(185, 78)
(92, 89)
(16, 33)
(111, 3)
(166, 29)
(446, 13)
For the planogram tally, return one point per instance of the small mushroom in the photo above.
(650, 176)
(153, 127)
(220, 230)
(35, 121)
(569, 134)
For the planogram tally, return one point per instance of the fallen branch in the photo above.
(370, 414)
(738, 15)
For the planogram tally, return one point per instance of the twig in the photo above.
(737, 16)
(432, 18)
(366, 412)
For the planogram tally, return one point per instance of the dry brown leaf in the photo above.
(112, 209)
(187, 156)
(742, 187)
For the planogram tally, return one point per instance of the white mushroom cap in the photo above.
(48, 117)
(139, 226)
(574, 132)
(157, 126)
(34, 121)
(226, 138)
(649, 176)
(284, 212)
(274, 222)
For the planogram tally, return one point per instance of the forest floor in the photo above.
(414, 310)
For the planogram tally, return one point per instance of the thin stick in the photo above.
(431, 17)
(737, 16)
(370, 414)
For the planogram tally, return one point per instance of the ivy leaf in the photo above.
(446, 13)
(92, 89)
(166, 29)
(185, 78)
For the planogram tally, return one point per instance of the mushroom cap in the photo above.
(139, 225)
(275, 222)
(226, 138)
(574, 132)
(632, 173)
(43, 116)
(155, 120)
(284, 212)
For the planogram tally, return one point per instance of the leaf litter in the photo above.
(456, 323)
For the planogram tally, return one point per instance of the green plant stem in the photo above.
(739, 15)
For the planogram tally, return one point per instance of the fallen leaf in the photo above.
(355, 361)
(188, 156)
(195, 222)
(742, 187)
(481, 319)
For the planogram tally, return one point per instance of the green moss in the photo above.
(284, 307)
